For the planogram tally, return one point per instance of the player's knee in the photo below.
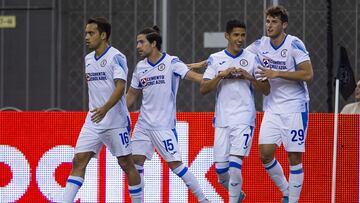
(126, 164)
(266, 158)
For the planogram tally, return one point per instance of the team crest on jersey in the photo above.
(244, 62)
(283, 52)
(161, 67)
(103, 63)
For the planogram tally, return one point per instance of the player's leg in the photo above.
(118, 143)
(294, 143)
(87, 146)
(221, 156)
(142, 149)
(269, 140)
(165, 141)
(240, 144)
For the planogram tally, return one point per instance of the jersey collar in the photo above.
(232, 56)
(106, 50)
(154, 64)
(277, 47)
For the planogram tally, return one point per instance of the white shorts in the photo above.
(287, 129)
(117, 140)
(232, 140)
(144, 142)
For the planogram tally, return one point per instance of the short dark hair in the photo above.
(278, 11)
(231, 24)
(103, 25)
(152, 34)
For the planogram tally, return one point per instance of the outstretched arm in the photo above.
(132, 96)
(194, 76)
(99, 113)
(198, 65)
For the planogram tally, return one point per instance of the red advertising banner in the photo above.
(36, 149)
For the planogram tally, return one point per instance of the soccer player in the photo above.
(157, 78)
(287, 66)
(108, 121)
(231, 72)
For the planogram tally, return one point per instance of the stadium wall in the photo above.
(36, 149)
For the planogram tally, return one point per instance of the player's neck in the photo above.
(100, 50)
(155, 56)
(279, 39)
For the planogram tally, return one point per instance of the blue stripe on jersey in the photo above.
(296, 44)
(235, 165)
(175, 133)
(214, 119)
(78, 183)
(277, 47)
(176, 60)
(177, 74)
(251, 130)
(272, 165)
(299, 171)
(154, 64)
(222, 170)
(135, 191)
(182, 172)
(232, 56)
(106, 50)
(120, 60)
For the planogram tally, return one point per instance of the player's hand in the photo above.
(227, 73)
(266, 73)
(240, 73)
(98, 114)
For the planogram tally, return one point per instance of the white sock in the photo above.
(222, 173)
(190, 181)
(136, 193)
(235, 182)
(140, 169)
(73, 185)
(276, 173)
(296, 180)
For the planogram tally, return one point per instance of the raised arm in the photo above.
(131, 96)
(99, 113)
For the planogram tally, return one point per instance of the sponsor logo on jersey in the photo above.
(153, 80)
(244, 62)
(95, 76)
(161, 67)
(103, 63)
(278, 65)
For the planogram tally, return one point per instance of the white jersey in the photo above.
(234, 97)
(100, 75)
(286, 96)
(159, 84)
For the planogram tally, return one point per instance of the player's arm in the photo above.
(194, 76)
(99, 113)
(208, 85)
(131, 96)
(304, 73)
(198, 65)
